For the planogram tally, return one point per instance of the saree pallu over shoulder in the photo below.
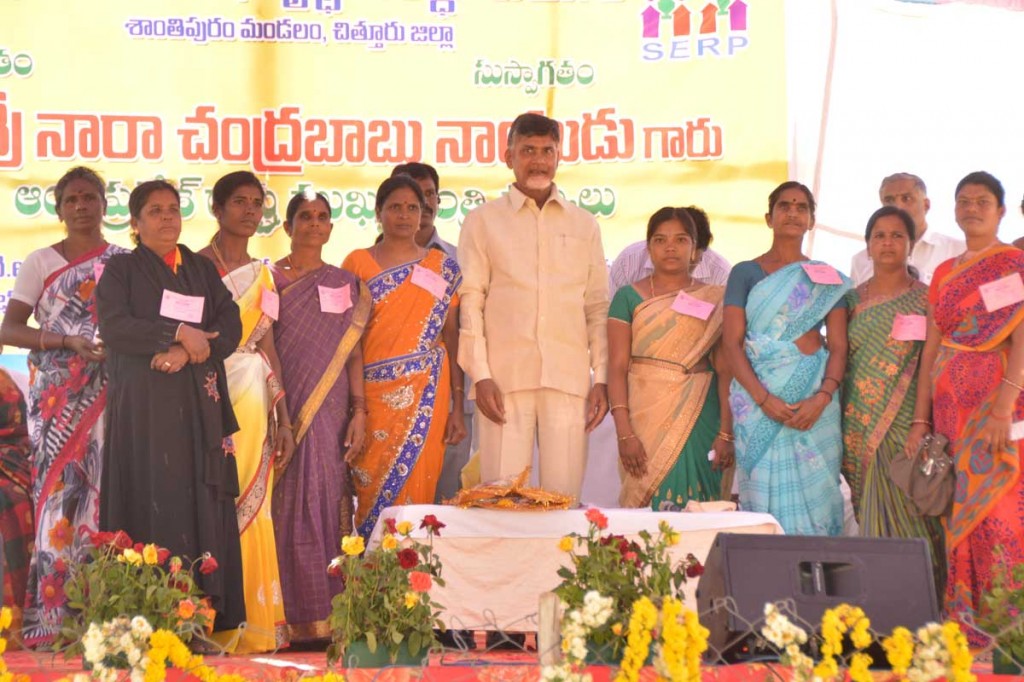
(360, 316)
(664, 399)
(255, 322)
(67, 398)
(967, 374)
(880, 375)
(791, 474)
(407, 385)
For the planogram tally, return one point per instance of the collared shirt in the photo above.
(634, 264)
(930, 251)
(534, 297)
(450, 249)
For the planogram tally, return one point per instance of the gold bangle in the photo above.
(622, 438)
(618, 407)
(727, 437)
(1010, 383)
(926, 422)
(458, 389)
(42, 340)
(765, 398)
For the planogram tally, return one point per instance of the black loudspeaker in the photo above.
(890, 578)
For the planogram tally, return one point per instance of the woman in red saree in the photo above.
(406, 348)
(68, 392)
(971, 379)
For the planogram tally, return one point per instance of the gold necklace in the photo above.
(223, 264)
(688, 283)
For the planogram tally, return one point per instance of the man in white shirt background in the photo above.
(931, 248)
(634, 263)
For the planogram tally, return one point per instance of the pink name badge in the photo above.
(1002, 292)
(694, 307)
(820, 273)
(97, 271)
(182, 308)
(429, 280)
(270, 303)
(334, 299)
(909, 328)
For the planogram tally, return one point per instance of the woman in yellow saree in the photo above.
(257, 397)
(409, 379)
(670, 407)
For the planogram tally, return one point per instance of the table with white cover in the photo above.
(496, 564)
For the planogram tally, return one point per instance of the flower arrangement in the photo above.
(386, 601)
(935, 651)
(125, 583)
(672, 633)
(6, 616)
(1003, 614)
(623, 570)
(134, 646)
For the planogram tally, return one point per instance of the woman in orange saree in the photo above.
(974, 358)
(409, 380)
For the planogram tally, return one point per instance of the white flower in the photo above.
(141, 627)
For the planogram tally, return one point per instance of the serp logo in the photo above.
(679, 30)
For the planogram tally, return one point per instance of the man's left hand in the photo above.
(597, 406)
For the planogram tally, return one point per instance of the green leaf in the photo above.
(371, 642)
(397, 637)
(414, 643)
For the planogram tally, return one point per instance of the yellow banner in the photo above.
(663, 102)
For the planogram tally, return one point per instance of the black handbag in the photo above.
(927, 478)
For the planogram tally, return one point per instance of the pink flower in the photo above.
(52, 401)
(420, 581)
(162, 555)
(391, 525)
(175, 565)
(595, 516)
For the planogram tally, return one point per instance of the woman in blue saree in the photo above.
(786, 374)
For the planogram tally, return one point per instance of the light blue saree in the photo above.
(792, 475)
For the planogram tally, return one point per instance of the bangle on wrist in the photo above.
(618, 407)
(622, 438)
(1012, 383)
(42, 340)
(727, 437)
(926, 422)
(761, 402)
(838, 384)
(458, 389)
(64, 342)
(824, 393)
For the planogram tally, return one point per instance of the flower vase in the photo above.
(1006, 664)
(358, 655)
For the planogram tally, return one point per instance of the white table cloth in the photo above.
(496, 564)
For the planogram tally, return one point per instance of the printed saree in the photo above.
(255, 391)
(67, 396)
(665, 401)
(407, 385)
(878, 404)
(793, 475)
(15, 496)
(312, 499)
(986, 527)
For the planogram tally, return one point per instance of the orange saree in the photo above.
(407, 384)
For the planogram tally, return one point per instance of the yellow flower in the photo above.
(5, 618)
(672, 538)
(389, 542)
(149, 554)
(131, 556)
(565, 544)
(411, 599)
(404, 527)
(352, 545)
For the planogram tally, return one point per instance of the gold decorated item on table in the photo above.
(511, 494)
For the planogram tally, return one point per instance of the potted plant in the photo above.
(125, 584)
(1002, 616)
(609, 574)
(385, 615)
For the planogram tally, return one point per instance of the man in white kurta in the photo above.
(931, 248)
(534, 310)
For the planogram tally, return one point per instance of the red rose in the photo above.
(391, 525)
(139, 547)
(408, 558)
(420, 581)
(162, 555)
(101, 538)
(175, 565)
(595, 516)
(121, 540)
(334, 568)
(209, 564)
(431, 523)
(694, 569)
